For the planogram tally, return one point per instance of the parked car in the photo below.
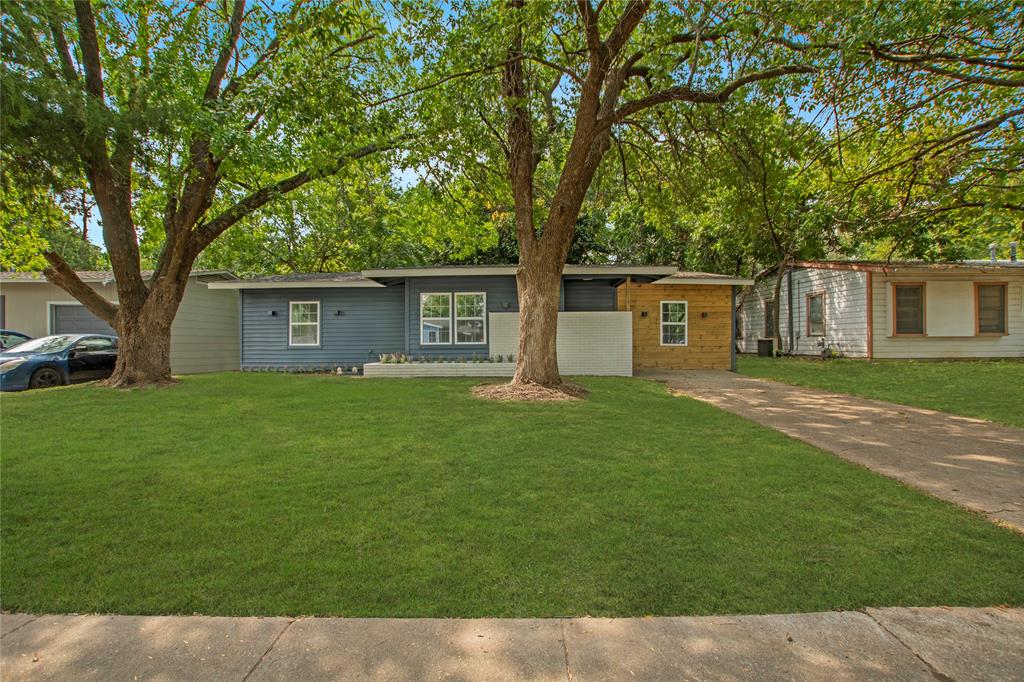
(10, 338)
(57, 360)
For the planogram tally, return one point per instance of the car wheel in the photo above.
(46, 377)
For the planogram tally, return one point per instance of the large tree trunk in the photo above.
(143, 352)
(144, 343)
(539, 293)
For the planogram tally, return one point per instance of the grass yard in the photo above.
(240, 494)
(987, 389)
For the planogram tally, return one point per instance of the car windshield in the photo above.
(46, 344)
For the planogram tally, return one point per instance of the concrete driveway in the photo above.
(971, 462)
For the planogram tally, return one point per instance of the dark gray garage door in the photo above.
(75, 319)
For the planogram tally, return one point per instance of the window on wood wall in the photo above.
(304, 323)
(435, 319)
(673, 323)
(816, 314)
(471, 318)
(769, 320)
(908, 305)
(992, 309)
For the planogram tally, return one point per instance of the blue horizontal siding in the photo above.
(501, 298)
(371, 323)
(588, 295)
(374, 320)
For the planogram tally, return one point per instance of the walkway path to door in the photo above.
(971, 462)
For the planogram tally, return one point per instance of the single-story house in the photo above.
(613, 319)
(970, 309)
(204, 336)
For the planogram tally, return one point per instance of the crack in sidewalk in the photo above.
(272, 645)
(27, 622)
(565, 651)
(931, 668)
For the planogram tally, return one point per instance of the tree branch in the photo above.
(220, 67)
(684, 94)
(90, 49)
(61, 274)
(205, 234)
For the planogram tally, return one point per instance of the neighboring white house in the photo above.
(971, 309)
(204, 336)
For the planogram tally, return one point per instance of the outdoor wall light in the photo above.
(643, 313)
(271, 312)
(338, 313)
(704, 315)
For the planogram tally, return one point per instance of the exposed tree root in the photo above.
(530, 392)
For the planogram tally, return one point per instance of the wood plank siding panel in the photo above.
(846, 305)
(204, 335)
(501, 298)
(26, 304)
(886, 345)
(371, 322)
(709, 321)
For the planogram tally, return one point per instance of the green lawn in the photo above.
(315, 495)
(987, 389)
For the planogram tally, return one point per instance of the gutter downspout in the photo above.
(406, 285)
(871, 317)
(789, 304)
(241, 329)
(732, 330)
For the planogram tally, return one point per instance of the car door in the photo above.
(93, 357)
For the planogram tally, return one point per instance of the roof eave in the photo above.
(722, 281)
(309, 284)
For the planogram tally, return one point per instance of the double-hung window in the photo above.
(991, 303)
(908, 304)
(304, 323)
(816, 314)
(435, 319)
(470, 318)
(673, 323)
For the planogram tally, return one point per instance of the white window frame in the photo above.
(685, 324)
(455, 316)
(451, 313)
(291, 325)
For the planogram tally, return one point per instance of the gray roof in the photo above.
(309, 277)
(880, 266)
(107, 275)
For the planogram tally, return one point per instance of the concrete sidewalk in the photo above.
(970, 462)
(894, 643)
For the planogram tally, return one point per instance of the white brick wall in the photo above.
(595, 343)
(439, 369)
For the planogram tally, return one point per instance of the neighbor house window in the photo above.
(991, 308)
(673, 323)
(816, 314)
(769, 319)
(435, 319)
(304, 323)
(908, 304)
(470, 318)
